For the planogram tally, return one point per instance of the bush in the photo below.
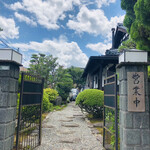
(91, 100)
(52, 94)
(47, 106)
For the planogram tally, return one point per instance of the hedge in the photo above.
(91, 100)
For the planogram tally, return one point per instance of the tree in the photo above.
(140, 29)
(44, 66)
(137, 21)
(64, 86)
(128, 6)
(76, 74)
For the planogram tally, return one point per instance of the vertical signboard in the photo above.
(136, 92)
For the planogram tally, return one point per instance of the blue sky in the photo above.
(72, 30)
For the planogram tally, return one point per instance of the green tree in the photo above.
(137, 21)
(140, 29)
(128, 6)
(76, 74)
(44, 66)
(64, 86)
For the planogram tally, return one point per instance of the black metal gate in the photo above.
(30, 112)
(110, 129)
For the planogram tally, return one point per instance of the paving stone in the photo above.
(70, 117)
(66, 120)
(69, 140)
(90, 126)
(95, 131)
(66, 132)
(70, 125)
(47, 126)
(100, 124)
(78, 115)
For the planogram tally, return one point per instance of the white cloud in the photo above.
(22, 17)
(9, 28)
(15, 6)
(100, 3)
(99, 47)
(94, 22)
(113, 22)
(68, 53)
(48, 12)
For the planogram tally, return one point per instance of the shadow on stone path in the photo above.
(67, 130)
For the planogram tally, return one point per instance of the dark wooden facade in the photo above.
(97, 68)
(100, 67)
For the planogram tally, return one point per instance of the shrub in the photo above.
(52, 94)
(47, 106)
(91, 100)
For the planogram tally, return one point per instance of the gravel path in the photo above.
(68, 130)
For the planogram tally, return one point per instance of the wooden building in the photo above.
(100, 67)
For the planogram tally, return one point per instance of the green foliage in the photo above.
(44, 66)
(47, 106)
(142, 12)
(149, 71)
(110, 120)
(92, 101)
(128, 44)
(128, 6)
(76, 74)
(52, 94)
(137, 21)
(142, 24)
(64, 86)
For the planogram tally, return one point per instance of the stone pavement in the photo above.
(68, 130)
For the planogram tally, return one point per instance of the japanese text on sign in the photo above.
(136, 93)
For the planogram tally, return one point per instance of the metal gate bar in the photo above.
(30, 112)
(110, 102)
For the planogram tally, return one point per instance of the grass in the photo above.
(58, 108)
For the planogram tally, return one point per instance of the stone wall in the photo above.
(8, 102)
(134, 126)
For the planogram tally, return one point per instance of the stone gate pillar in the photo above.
(9, 74)
(134, 116)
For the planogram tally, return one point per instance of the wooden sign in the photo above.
(136, 91)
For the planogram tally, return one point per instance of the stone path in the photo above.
(68, 130)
